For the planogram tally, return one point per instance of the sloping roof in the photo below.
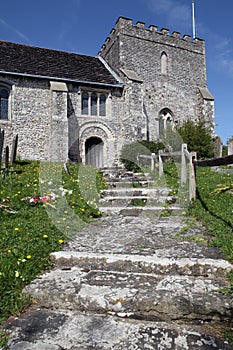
(132, 75)
(206, 94)
(36, 61)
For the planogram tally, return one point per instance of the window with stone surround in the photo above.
(166, 120)
(94, 103)
(4, 102)
(164, 63)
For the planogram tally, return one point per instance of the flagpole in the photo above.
(193, 17)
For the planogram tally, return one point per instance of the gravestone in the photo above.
(6, 162)
(218, 147)
(1, 144)
(230, 148)
(14, 149)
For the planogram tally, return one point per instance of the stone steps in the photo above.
(136, 287)
(70, 330)
(129, 199)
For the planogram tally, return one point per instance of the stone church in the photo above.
(69, 106)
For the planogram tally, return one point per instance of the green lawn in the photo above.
(31, 231)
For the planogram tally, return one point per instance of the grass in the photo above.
(215, 208)
(30, 232)
(214, 203)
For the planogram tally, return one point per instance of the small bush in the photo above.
(129, 153)
(198, 137)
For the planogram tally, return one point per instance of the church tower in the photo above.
(164, 76)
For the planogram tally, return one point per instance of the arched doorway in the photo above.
(94, 151)
(166, 120)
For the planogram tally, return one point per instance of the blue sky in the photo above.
(81, 26)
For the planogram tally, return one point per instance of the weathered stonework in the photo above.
(156, 72)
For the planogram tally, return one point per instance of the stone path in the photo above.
(134, 279)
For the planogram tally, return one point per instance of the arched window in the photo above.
(165, 121)
(93, 103)
(4, 101)
(164, 63)
(85, 103)
(102, 105)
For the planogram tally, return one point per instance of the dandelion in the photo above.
(28, 256)
(16, 229)
(60, 241)
(9, 251)
(45, 236)
(82, 209)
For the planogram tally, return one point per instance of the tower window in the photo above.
(164, 63)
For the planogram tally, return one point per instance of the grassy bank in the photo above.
(214, 207)
(40, 206)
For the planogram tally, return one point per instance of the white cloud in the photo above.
(176, 13)
(221, 54)
(16, 31)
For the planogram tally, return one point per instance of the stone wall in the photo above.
(139, 49)
(29, 117)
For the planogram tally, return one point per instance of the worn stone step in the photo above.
(140, 210)
(146, 296)
(73, 330)
(125, 183)
(202, 267)
(122, 201)
(135, 201)
(129, 192)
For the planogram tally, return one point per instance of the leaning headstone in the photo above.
(14, 149)
(6, 162)
(230, 148)
(1, 144)
(218, 147)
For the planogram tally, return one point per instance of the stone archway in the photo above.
(94, 152)
(166, 120)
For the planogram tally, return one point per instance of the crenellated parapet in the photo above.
(125, 26)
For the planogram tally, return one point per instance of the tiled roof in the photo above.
(23, 59)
